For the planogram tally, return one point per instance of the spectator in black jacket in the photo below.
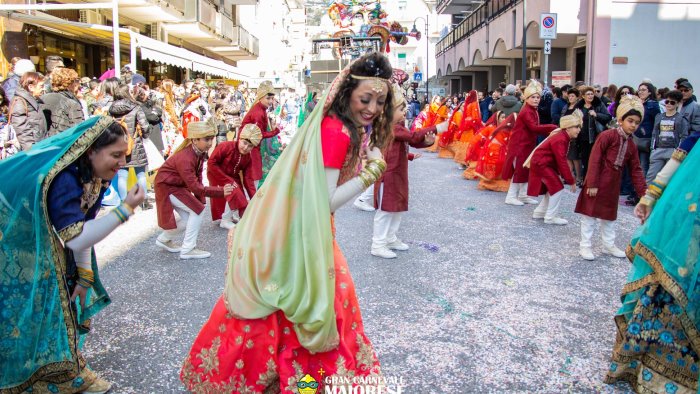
(61, 107)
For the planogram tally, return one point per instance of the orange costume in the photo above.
(491, 162)
(477, 146)
(437, 113)
(463, 125)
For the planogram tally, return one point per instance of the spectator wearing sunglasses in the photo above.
(690, 109)
(670, 128)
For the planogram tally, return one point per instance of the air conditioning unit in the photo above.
(156, 31)
(92, 17)
(134, 29)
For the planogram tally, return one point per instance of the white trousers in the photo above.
(386, 225)
(189, 222)
(607, 231)
(549, 206)
(367, 195)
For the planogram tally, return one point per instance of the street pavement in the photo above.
(487, 300)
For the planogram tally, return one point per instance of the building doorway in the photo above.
(580, 64)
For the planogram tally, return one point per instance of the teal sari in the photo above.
(270, 151)
(658, 337)
(40, 327)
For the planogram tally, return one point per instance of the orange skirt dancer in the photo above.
(438, 113)
(463, 125)
(234, 355)
(492, 160)
(476, 147)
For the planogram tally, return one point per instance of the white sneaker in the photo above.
(556, 220)
(171, 246)
(538, 215)
(586, 254)
(195, 254)
(613, 251)
(514, 201)
(398, 245)
(528, 200)
(227, 224)
(99, 386)
(383, 252)
(363, 206)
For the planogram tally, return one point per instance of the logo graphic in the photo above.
(307, 385)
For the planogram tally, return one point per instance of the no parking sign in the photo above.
(548, 26)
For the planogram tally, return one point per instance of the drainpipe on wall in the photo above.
(592, 8)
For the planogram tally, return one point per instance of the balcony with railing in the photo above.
(454, 7)
(483, 14)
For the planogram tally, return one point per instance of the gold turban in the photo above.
(252, 133)
(627, 104)
(264, 89)
(573, 120)
(198, 130)
(398, 96)
(533, 87)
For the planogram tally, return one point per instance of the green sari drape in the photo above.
(659, 321)
(40, 332)
(282, 250)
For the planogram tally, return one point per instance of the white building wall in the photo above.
(660, 41)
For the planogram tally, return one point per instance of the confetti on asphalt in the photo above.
(425, 245)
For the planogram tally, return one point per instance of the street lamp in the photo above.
(427, 48)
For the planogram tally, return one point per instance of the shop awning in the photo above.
(155, 50)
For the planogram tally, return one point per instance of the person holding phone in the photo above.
(48, 266)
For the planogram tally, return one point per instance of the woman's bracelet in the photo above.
(86, 278)
(123, 211)
(372, 171)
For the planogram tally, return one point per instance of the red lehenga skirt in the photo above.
(233, 355)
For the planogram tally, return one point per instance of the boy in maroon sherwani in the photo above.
(391, 190)
(612, 152)
(231, 161)
(548, 165)
(179, 187)
(257, 115)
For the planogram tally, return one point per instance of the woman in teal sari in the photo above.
(658, 325)
(49, 283)
(271, 148)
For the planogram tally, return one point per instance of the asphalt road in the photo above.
(487, 299)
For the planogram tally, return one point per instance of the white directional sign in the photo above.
(548, 26)
(547, 47)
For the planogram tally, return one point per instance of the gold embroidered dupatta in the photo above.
(282, 249)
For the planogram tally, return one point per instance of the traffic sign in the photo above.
(548, 26)
(547, 47)
(417, 76)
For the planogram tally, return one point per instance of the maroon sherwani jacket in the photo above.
(227, 165)
(181, 176)
(395, 179)
(522, 141)
(604, 175)
(258, 116)
(548, 164)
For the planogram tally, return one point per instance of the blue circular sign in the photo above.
(548, 22)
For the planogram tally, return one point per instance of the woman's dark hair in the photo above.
(611, 91)
(370, 65)
(556, 92)
(651, 88)
(632, 112)
(109, 87)
(662, 92)
(618, 96)
(30, 78)
(573, 91)
(109, 136)
(122, 93)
